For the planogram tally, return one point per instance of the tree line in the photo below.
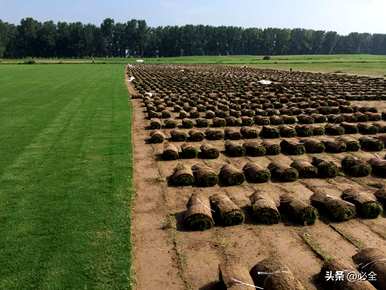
(32, 38)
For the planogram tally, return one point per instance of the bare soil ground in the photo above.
(168, 257)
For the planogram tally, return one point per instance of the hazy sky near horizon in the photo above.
(343, 16)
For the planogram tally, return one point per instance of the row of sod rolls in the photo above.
(267, 132)
(287, 147)
(203, 176)
(231, 121)
(265, 207)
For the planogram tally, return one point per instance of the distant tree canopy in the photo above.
(32, 38)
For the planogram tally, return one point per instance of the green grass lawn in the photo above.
(65, 177)
(372, 65)
(363, 64)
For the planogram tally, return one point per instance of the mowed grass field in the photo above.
(362, 64)
(65, 177)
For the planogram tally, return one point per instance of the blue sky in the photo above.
(343, 16)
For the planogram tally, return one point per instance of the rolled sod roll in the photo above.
(292, 147)
(232, 134)
(220, 113)
(334, 130)
(177, 108)
(374, 116)
(318, 130)
(182, 176)
(179, 135)
(305, 169)
(196, 135)
(349, 128)
(352, 145)
(313, 146)
(166, 114)
(194, 114)
(156, 137)
(233, 149)
(261, 121)
(155, 124)
(218, 122)
(230, 175)
(304, 131)
(283, 173)
(372, 260)
(272, 274)
(249, 133)
(367, 129)
(246, 121)
(202, 123)
(336, 119)
(289, 119)
(335, 146)
(214, 134)
(287, 131)
(247, 112)
(326, 169)
(265, 208)
(170, 124)
(371, 144)
(276, 120)
(298, 210)
(346, 109)
(330, 267)
(355, 167)
(208, 151)
(170, 152)
(183, 114)
(337, 209)
(319, 118)
(234, 276)
(366, 205)
(204, 175)
(254, 173)
(188, 151)
(233, 121)
(226, 211)
(254, 149)
(269, 132)
(378, 167)
(187, 123)
(361, 117)
(349, 118)
(210, 114)
(234, 113)
(153, 114)
(305, 119)
(198, 216)
(271, 148)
